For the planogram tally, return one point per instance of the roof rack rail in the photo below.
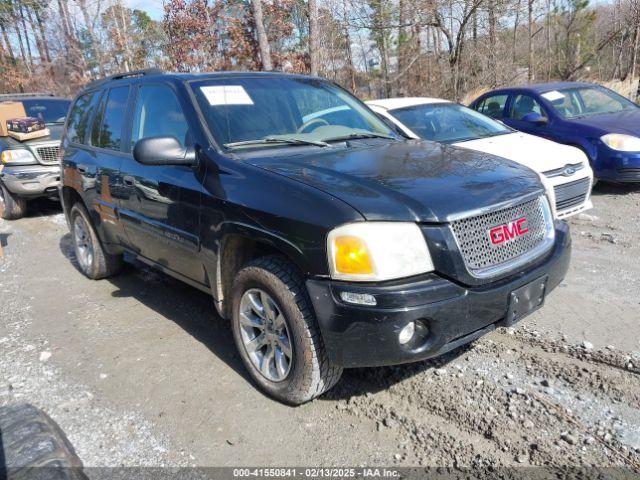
(120, 76)
(25, 95)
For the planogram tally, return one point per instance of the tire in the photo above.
(34, 447)
(12, 207)
(309, 372)
(93, 260)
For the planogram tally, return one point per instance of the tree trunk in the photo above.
(347, 40)
(313, 37)
(530, 73)
(263, 40)
(45, 43)
(34, 31)
(516, 24)
(5, 36)
(492, 42)
(26, 33)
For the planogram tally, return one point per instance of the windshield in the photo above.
(256, 112)
(448, 122)
(49, 110)
(586, 101)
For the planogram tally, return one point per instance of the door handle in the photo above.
(82, 168)
(128, 180)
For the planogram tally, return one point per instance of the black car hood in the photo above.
(408, 180)
(55, 132)
(626, 121)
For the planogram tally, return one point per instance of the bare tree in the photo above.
(261, 33)
(313, 36)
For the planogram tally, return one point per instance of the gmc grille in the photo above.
(571, 194)
(49, 154)
(482, 258)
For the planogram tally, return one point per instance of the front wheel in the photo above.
(12, 207)
(276, 332)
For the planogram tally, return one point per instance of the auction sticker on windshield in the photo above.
(553, 95)
(226, 95)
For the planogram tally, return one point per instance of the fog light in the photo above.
(358, 298)
(406, 334)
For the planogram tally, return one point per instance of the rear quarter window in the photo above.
(80, 116)
(109, 133)
(493, 106)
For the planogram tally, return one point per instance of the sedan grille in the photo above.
(566, 171)
(571, 194)
(483, 257)
(49, 154)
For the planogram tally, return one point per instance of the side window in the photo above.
(493, 106)
(109, 133)
(79, 117)
(157, 112)
(523, 105)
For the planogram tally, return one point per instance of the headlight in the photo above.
(17, 157)
(621, 142)
(375, 251)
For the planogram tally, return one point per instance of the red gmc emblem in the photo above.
(508, 231)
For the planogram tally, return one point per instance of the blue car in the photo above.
(605, 125)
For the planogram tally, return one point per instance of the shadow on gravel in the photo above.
(188, 307)
(604, 188)
(43, 207)
(360, 381)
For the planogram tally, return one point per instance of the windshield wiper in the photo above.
(356, 135)
(271, 140)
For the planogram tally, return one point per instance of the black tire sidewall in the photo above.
(291, 387)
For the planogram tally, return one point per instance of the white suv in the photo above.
(563, 170)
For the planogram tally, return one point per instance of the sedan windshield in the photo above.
(51, 111)
(448, 122)
(260, 112)
(587, 101)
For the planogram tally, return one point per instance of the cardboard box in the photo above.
(30, 136)
(9, 110)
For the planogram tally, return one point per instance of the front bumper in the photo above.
(31, 180)
(618, 167)
(360, 336)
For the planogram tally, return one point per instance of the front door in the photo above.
(519, 107)
(161, 207)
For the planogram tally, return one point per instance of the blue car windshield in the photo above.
(261, 112)
(49, 110)
(448, 122)
(587, 101)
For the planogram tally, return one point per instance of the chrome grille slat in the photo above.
(479, 254)
(48, 154)
(560, 171)
(571, 194)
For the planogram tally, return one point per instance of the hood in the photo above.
(408, 180)
(534, 152)
(626, 121)
(55, 133)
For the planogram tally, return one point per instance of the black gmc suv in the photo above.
(327, 241)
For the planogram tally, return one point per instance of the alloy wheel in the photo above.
(84, 245)
(265, 335)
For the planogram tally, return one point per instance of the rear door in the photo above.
(92, 156)
(161, 207)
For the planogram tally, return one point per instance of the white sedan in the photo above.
(563, 170)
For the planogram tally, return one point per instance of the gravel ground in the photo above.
(139, 371)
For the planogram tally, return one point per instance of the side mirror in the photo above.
(163, 151)
(535, 118)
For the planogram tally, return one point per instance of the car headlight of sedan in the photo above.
(621, 142)
(17, 157)
(376, 251)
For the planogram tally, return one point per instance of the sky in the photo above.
(152, 7)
